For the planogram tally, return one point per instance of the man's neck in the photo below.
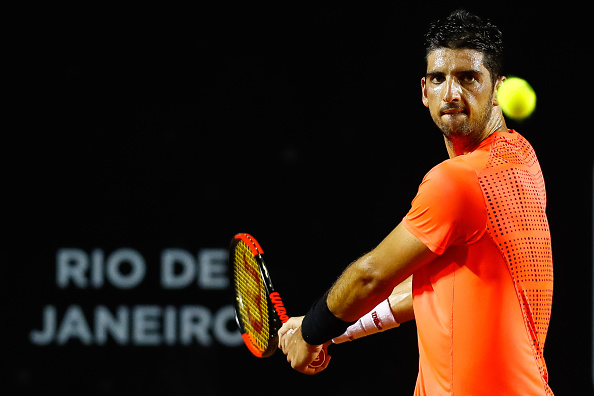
(461, 146)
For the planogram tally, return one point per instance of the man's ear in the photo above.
(500, 81)
(424, 92)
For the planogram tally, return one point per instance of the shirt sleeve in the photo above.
(448, 209)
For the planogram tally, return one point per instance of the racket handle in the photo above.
(319, 361)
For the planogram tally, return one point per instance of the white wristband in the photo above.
(378, 319)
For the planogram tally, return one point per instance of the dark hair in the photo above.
(463, 30)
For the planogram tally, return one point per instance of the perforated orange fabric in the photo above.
(514, 190)
(482, 308)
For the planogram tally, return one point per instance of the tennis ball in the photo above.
(516, 98)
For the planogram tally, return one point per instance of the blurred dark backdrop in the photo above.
(157, 129)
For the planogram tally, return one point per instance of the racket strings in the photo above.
(251, 296)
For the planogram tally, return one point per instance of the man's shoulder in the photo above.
(459, 170)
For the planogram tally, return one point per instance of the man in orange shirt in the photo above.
(475, 242)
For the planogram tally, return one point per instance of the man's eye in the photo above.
(468, 79)
(437, 79)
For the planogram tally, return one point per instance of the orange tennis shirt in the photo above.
(482, 308)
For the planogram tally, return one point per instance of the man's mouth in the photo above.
(453, 111)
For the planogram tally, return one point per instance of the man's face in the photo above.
(458, 91)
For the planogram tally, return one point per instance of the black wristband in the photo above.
(320, 324)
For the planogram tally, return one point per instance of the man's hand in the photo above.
(299, 353)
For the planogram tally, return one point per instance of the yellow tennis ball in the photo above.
(516, 98)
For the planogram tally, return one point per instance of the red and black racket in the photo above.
(259, 309)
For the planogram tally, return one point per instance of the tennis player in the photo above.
(475, 242)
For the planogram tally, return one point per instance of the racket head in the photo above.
(257, 321)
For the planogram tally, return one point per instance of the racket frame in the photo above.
(277, 313)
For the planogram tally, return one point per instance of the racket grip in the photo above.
(320, 360)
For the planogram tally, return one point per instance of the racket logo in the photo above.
(279, 307)
(257, 323)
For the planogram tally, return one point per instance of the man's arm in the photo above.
(363, 285)
(388, 314)
(401, 301)
(371, 279)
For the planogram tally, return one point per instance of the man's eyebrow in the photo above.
(469, 71)
(434, 74)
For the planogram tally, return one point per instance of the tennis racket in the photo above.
(259, 309)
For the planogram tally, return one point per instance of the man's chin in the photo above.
(455, 130)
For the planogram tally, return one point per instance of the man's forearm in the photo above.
(386, 315)
(358, 290)
(370, 279)
(365, 283)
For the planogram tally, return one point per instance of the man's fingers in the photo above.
(284, 339)
(289, 326)
(300, 354)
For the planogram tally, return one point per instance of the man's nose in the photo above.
(453, 90)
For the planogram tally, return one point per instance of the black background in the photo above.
(157, 128)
